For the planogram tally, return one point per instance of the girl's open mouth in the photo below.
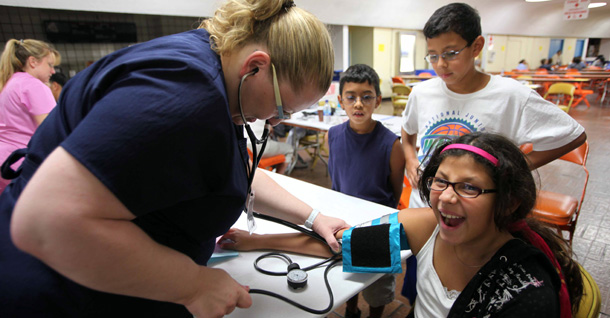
(451, 220)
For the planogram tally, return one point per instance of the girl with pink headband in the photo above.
(478, 254)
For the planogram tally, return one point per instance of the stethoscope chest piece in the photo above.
(297, 278)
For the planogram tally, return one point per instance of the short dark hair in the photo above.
(360, 73)
(457, 17)
(59, 78)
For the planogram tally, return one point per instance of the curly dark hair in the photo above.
(515, 185)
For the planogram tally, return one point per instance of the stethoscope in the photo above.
(296, 276)
(256, 157)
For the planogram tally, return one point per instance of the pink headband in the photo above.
(474, 149)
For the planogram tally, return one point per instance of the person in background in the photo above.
(366, 161)
(273, 147)
(143, 164)
(478, 252)
(25, 100)
(546, 64)
(56, 83)
(577, 64)
(557, 58)
(461, 101)
(599, 61)
(523, 66)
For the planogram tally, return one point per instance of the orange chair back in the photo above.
(425, 74)
(563, 210)
(526, 148)
(406, 194)
(542, 71)
(398, 80)
(269, 162)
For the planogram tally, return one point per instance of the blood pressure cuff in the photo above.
(374, 246)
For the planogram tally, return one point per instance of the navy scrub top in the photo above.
(152, 123)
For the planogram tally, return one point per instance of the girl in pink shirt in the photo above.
(25, 99)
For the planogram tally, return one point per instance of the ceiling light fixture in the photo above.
(596, 4)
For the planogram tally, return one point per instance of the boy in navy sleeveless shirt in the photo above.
(366, 161)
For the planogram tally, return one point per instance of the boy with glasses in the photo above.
(463, 100)
(366, 161)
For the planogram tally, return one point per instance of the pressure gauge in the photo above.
(297, 278)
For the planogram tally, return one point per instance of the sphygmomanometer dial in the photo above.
(297, 278)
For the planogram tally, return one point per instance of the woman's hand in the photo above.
(327, 227)
(239, 240)
(218, 296)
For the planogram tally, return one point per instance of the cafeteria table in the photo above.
(344, 285)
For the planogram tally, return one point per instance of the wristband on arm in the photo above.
(312, 217)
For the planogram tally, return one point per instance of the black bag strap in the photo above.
(6, 170)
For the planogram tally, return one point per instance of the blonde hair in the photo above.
(299, 44)
(16, 53)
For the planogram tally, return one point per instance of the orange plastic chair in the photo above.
(580, 94)
(546, 85)
(270, 162)
(425, 74)
(559, 209)
(406, 194)
(600, 89)
(542, 71)
(510, 73)
(526, 148)
(398, 80)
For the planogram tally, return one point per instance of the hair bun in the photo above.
(288, 4)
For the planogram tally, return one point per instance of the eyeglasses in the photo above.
(447, 56)
(278, 99)
(350, 100)
(463, 189)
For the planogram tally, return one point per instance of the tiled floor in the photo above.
(592, 238)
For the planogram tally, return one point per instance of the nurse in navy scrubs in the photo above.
(142, 165)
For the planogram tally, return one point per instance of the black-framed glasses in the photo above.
(463, 189)
(447, 56)
(350, 100)
(281, 114)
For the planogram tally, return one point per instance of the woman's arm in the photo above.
(397, 169)
(69, 220)
(272, 199)
(236, 239)
(418, 224)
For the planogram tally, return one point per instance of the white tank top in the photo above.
(433, 299)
